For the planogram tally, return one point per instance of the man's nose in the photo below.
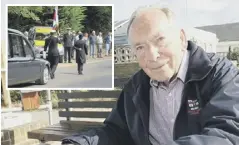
(152, 53)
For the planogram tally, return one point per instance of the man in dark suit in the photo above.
(53, 52)
(68, 39)
(81, 50)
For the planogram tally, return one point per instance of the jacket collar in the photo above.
(199, 63)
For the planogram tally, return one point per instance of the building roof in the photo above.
(224, 32)
(121, 27)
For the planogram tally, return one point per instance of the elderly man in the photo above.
(182, 95)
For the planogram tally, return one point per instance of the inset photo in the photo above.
(60, 47)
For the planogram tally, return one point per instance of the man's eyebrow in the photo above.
(156, 36)
(137, 44)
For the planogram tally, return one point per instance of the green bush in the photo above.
(15, 96)
(54, 99)
(43, 97)
(234, 55)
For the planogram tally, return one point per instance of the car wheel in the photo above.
(61, 59)
(45, 76)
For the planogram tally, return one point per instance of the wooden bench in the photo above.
(82, 110)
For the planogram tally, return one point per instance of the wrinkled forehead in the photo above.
(148, 24)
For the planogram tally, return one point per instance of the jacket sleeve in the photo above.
(46, 44)
(114, 131)
(220, 117)
(72, 38)
(86, 49)
(75, 44)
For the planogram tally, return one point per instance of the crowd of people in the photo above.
(93, 42)
(76, 47)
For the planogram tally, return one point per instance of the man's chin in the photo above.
(157, 77)
(161, 79)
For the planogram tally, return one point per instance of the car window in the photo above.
(41, 36)
(27, 48)
(16, 46)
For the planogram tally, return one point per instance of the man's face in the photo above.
(158, 45)
(93, 32)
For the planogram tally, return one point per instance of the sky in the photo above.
(191, 12)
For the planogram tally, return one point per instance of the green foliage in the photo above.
(99, 19)
(43, 97)
(25, 12)
(54, 97)
(72, 17)
(234, 55)
(15, 96)
(79, 18)
(23, 17)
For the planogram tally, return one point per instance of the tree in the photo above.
(99, 18)
(78, 18)
(72, 17)
(20, 17)
(24, 17)
(25, 12)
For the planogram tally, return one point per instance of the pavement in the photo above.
(97, 73)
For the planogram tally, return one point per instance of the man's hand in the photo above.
(44, 54)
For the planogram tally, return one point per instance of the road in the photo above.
(96, 74)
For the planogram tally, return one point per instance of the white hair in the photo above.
(168, 12)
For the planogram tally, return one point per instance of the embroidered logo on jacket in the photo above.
(193, 107)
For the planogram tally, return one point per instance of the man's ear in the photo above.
(183, 38)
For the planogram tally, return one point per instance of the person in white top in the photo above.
(99, 45)
(77, 35)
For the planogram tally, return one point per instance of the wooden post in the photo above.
(68, 109)
(49, 101)
(5, 93)
(3, 56)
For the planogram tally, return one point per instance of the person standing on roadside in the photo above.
(99, 45)
(67, 39)
(107, 43)
(92, 39)
(77, 35)
(73, 42)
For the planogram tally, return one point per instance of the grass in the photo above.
(126, 70)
